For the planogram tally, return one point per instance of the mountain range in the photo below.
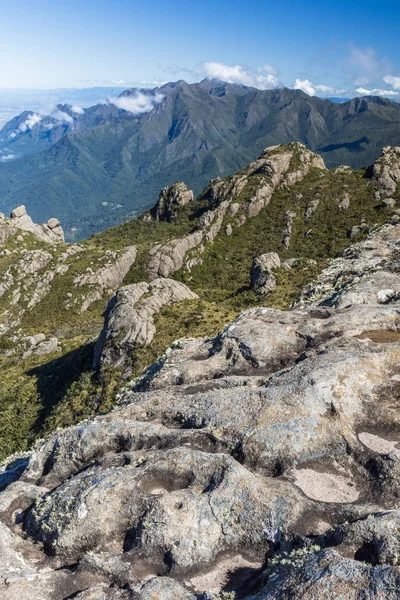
(99, 166)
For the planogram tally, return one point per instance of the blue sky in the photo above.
(325, 48)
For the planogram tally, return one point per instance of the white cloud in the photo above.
(393, 81)
(7, 157)
(364, 59)
(365, 68)
(309, 88)
(375, 92)
(58, 117)
(329, 90)
(137, 104)
(30, 123)
(264, 78)
(118, 81)
(33, 120)
(305, 86)
(77, 110)
(61, 117)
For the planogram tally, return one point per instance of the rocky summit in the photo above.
(203, 403)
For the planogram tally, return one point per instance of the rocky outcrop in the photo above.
(386, 171)
(49, 232)
(309, 385)
(23, 283)
(344, 202)
(19, 222)
(367, 273)
(311, 208)
(290, 216)
(356, 560)
(41, 347)
(166, 259)
(30, 264)
(171, 199)
(27, 277)
(262, 278)
(262, 463)
(107, 278)
(240, 199)
(129, 318)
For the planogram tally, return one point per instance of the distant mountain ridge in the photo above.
(100, 167)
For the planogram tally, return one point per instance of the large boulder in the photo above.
(262, 278)
(386, 171)
(129, 318)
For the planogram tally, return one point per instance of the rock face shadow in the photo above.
(56, 377)
(13, 472)
(229, 573)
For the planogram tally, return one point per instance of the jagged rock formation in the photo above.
(32, 274)
(108, 277)
(386, 171)
(264, 461)
(210, 246)
(129, 318)
(49, 232)
(164, 260)
(171, 199)
(60, 290)
(273, 168)
(367, 273)
(262, 278)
